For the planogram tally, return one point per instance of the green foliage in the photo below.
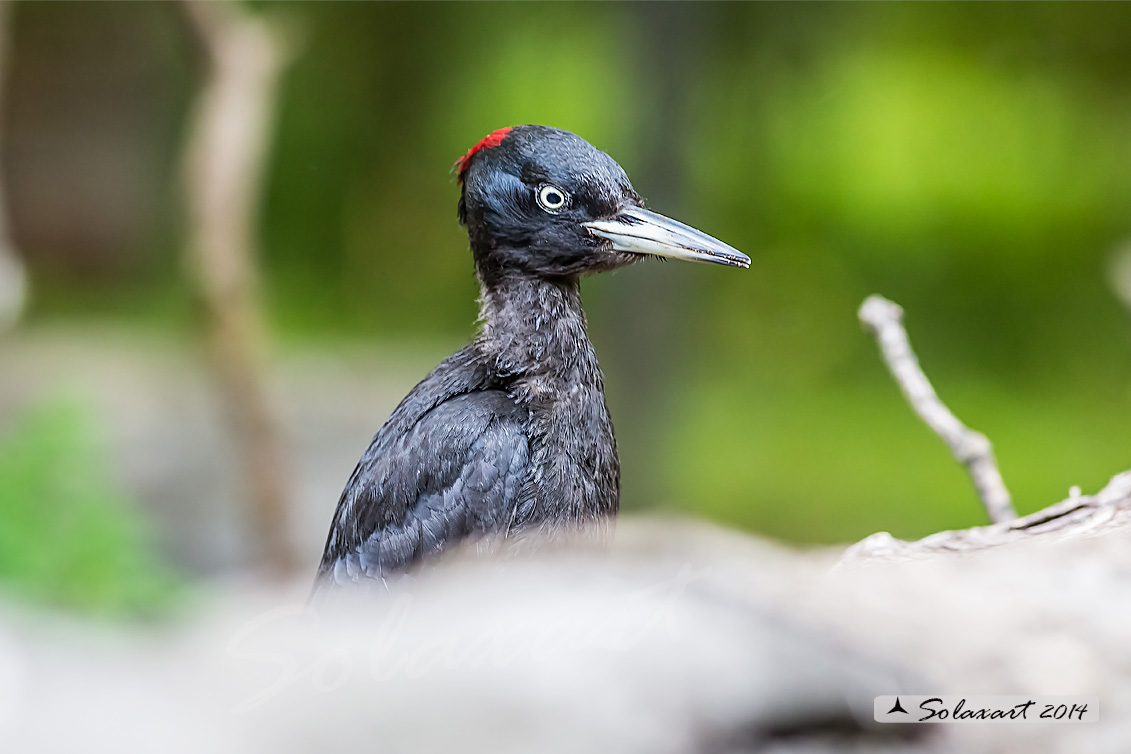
(66, 535)
(850, 459)
(967, 160)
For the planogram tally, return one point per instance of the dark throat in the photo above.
(534, 334)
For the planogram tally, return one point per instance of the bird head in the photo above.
(543, 201)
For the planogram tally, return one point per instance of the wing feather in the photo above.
(456, 472)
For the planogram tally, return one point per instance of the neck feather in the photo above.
(534, 326)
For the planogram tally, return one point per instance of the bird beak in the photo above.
(638, 231)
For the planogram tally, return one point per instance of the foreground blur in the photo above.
(683, 639)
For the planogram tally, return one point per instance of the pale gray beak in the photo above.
(639, 231)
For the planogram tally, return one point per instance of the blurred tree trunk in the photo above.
(13, 278)
(224, 165)
(647, 328)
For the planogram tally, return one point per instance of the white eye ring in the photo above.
(552, 198)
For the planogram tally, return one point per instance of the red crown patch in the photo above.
(490, 140)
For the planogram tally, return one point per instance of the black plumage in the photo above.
(511, 433)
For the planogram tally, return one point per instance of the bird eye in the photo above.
(551, 198)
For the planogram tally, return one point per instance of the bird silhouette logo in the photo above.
(898, 708)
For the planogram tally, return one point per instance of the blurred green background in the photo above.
(969, 161)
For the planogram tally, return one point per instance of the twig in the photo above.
(224, 161)
(1079, 516)
(1119, 274)
(13, 277)
(885, 319)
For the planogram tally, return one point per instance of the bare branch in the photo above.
(1119, 274)
(885, 319)
(224, 165)
(1078, 516)
(13, 277)
(13, 287)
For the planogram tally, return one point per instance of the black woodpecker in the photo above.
(511, 433)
